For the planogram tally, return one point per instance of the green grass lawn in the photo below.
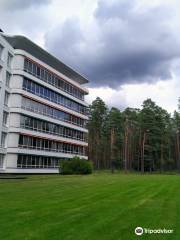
(101, 206)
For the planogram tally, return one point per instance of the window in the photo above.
(51, 128)
(5, 118)
(38, 144)
(33, 85)
(52, 96)
(6, 98)
(1, 74)
(41, 91)
(38, 71)
(8, 76)
(35, 124)
(30, 67)
(1, 160)
(28, 161)
(9, 60)
(26, 64)
(1, 51)
(49, 111)
(34, 69)
(49, 145)
(20, 140)
(42, 73)
(3, 139)
(46, 76)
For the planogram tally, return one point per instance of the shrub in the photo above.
(75, 165)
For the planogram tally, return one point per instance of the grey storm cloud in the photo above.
(20, 4)
(130, 45)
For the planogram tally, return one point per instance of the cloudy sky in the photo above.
(128, 49)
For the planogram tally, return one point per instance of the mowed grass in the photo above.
(101, 206)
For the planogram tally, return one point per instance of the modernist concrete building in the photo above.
(42, 109)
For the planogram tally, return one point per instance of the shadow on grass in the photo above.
(5, 177)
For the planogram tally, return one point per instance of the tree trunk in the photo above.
(142, 157)
(162, 160)
(112, 149)
(126, 147)
(178, 151)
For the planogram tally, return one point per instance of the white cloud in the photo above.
(164, 93)
(37, 21)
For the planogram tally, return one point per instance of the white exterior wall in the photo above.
(3, 69)
(13, 129)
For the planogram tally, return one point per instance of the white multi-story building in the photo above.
(42, 109)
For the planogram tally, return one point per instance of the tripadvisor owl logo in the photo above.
(139, 231)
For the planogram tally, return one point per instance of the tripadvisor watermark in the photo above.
(140, 231)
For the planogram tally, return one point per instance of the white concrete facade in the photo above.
(39, 123)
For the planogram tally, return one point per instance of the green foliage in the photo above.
(98, 112)
(134, 139)
(75, 165)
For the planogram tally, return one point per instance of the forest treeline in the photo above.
(144, 139)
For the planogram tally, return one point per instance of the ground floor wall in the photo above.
(26, 162)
